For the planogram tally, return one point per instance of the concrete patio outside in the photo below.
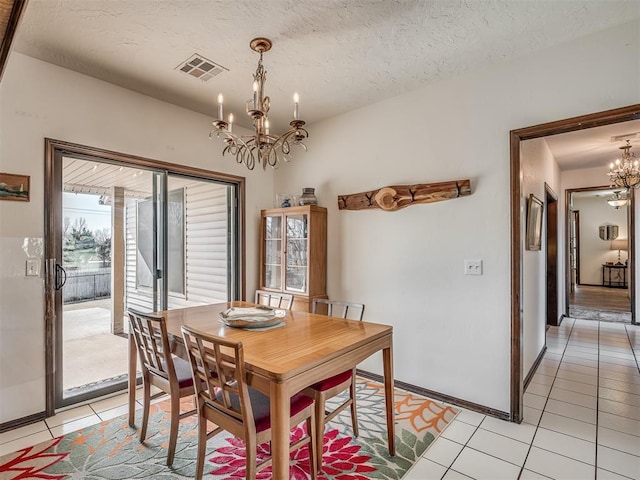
(91, 353)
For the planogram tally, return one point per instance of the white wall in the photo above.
(594, 252)
(39, 100)
(451, 331)
(538, 167)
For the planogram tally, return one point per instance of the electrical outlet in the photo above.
(473, 267)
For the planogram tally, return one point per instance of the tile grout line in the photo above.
(462, 449)
(546, 401)
(633, 351)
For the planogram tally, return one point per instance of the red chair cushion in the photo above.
(331, 382)
(261, 406)
(183, 372)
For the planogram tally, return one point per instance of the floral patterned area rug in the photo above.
(111, 450)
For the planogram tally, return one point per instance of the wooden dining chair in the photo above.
(224, 398)
(274, 299)
(170, 374)
(332, 386)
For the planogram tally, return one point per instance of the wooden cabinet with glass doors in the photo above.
(293, 255)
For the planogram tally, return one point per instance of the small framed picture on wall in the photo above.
(14, 187)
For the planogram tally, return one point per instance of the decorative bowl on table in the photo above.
(252, 317)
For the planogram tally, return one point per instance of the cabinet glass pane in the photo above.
(273, 252)
(273, 227)
(272, 276)
(296, 258)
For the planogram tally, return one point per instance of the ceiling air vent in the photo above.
(626, 136)
(199, 67)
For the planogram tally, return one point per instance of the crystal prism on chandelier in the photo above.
(625, 171)
(262, 147)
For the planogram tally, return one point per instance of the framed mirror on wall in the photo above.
(534, 223)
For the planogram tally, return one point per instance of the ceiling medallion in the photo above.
(625, 171)
(261, 147)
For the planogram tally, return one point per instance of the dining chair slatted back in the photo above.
(274, 299)
(219, 376)
(150, 334)
(225, 399)
(335, 308)
(160, 369)
(332, 386)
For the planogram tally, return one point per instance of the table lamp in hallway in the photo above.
(619, 244)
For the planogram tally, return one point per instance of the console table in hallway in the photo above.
(614, 276)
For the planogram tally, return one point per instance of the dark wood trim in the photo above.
(21, 422)
(15, 13)
(631, 254)
(576, 219)
(534, 367)
(624, 114)
(607, 117)
(438, 396)
(54, 151)
(551, 256)
(516, 387)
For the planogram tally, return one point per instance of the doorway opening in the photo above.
(610, 117)
(599, 235)
(124, 232)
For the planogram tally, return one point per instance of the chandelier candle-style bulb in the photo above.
(255, 95)
(296, 101)
(230, 122)
(220, 102)
(266, 126)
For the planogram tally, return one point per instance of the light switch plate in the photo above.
(33, 267)
(473, 267)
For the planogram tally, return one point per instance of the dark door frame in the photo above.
(608, 117)
(55, 150)
(551, 254)
(631, 215)
(576, 220)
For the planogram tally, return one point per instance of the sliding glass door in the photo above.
(123, 236)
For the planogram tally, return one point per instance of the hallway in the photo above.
(581, 416)
(601, 298)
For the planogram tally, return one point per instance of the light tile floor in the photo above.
(582, 417)
(68, 421)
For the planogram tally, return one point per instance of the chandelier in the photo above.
(261, 147)
(617, 200)
(625, 171)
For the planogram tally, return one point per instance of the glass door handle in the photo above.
(60, 277)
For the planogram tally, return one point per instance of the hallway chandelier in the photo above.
(625, 171)
(617, 200)
(262, 146)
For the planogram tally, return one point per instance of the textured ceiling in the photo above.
(338, 54)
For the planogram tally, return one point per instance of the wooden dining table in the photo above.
(283, 360)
